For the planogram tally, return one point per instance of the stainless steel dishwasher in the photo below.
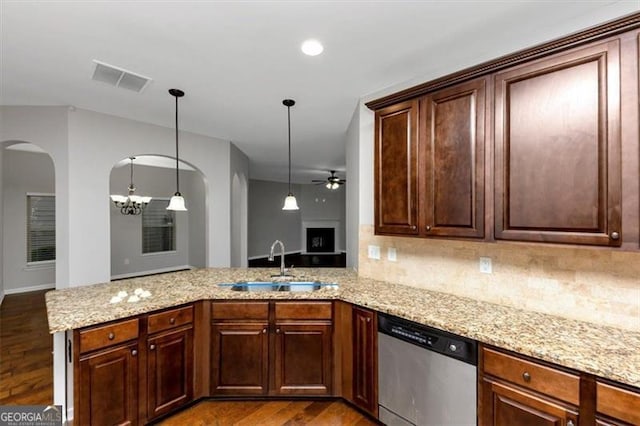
(427, 377)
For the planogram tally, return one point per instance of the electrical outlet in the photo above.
(485, 265)
(374, 252)
(391, 254)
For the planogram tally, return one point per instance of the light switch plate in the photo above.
(374, 252)
(485, 265)
(391, 254)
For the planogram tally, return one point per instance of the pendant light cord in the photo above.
(289, 128)
(131, 180)
(177, 169)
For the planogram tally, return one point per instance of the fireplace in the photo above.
(321, 240)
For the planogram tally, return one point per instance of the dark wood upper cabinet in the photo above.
(557, 149)
(451, 153)
(396, 169)
(170, 371)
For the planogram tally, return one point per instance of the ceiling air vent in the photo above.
(119, 77)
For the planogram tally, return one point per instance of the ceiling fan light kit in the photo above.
(332, 182)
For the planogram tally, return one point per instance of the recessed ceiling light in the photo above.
(312, 47)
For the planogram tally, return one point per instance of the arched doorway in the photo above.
(157, 240)
(28, 270)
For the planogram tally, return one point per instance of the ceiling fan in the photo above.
(332, 182)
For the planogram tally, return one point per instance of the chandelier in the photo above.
(131, 204)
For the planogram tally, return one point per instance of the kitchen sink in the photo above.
(278, 286)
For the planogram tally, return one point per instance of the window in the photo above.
(41, 228)
(158, 227)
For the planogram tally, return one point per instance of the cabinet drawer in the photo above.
(543, 379)
(303, 310)
(170, 319)
(618, 403)
(108, 335)
(240, 310)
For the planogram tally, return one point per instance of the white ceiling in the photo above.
(236, 61)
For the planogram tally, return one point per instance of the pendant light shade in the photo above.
(177, 201)
(290, 202)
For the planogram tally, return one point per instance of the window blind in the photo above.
(41, 228)
(158, 227)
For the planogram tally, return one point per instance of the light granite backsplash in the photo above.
(589, 284)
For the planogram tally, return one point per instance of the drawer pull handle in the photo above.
(111, 336)
(526, 377)
(152, 347)
(172, 320)
(134, 352)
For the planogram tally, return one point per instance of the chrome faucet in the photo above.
(273, 246)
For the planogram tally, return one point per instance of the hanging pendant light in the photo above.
(131, 204)
(177, 201)
(290, 202)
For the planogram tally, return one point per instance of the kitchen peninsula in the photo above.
(601, 352)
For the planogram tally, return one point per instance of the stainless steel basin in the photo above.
(278, 286)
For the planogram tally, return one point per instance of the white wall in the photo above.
(96, 143)
(352, 146)
(196, 203)
(23, 172)
(268, 222)
(239, 207)
(126, 230)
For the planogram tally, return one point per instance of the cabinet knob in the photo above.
(428, 227)
(152, 347)
(570, 423)
(172, 320)
(615, 236)
(278, 330)
(134, 352)
(414, 227)
(526, 377)
(111, 336)
(368, 319)
(264, 331)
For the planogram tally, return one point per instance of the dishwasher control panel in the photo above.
(430, 338)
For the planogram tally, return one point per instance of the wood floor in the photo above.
(269, 413)
(26, 361)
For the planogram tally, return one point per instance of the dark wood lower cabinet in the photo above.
(302, 361)
(365, 368)
(506, 405)
(239, 358)
(108, 387)
(169, 371)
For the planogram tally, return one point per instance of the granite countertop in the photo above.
(600, 350)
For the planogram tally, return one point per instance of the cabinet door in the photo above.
(503, 405)
(108, 387)
(364, 360)
(557, 153)
(396, 169)
(169, 371)
(302, 359)
(452, 161)
(239, 358)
